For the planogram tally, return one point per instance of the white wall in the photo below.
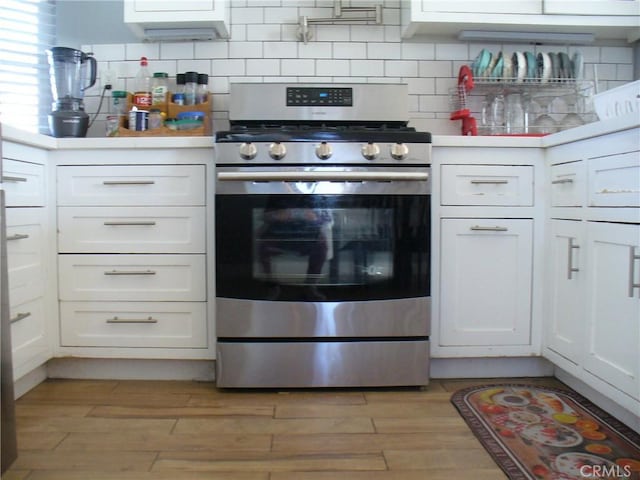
(264, 48)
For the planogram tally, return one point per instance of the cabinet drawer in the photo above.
(131, 229)
(131, 185)
(132, 277)
(23, 183)
(134, 324)
(567, 185)
(28, 331)
(486, 185)
(614, 181)
(25, 253)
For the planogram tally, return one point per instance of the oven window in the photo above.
(322, 247)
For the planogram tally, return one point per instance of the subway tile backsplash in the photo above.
(264, 48)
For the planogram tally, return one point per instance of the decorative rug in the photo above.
(540, 433)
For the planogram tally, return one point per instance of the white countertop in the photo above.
(586, 131)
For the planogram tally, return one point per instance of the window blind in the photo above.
(27, 29)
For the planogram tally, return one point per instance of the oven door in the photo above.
(322, 234)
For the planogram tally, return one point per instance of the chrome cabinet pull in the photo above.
(20, 316)
(17, 236)
(129, 224)
(130, 272)
(321, 176)
(562, 180)
(479, 228)
(9, 178)
(633, 257)
(489, 182)
(570, 268)
(128, 182)
(132, 320)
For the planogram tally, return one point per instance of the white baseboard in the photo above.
(131, 369)
(627, 417)
(490, 367)
(31, 380)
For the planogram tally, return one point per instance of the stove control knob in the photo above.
(248, 151)
(370, 151)
(323, 151)
(399, 151)
(277, 151)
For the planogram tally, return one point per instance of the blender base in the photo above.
(64, 123)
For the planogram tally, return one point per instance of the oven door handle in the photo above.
(322, 176)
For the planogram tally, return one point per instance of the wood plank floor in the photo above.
(139, 430)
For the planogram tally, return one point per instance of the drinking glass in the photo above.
(544, 123)
(571, 119)
(515, 113)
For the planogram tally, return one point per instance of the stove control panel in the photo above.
(319, 97)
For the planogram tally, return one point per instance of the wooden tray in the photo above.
(172, 110)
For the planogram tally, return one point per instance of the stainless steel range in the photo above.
(322, 238)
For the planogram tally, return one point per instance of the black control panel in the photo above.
(319, 97)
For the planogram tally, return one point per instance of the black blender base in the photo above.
(68, 124)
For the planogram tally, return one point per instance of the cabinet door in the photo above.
(172, 6)
(487, 6)
(565, 333)
(485, 281)
(592, 7)
(613, 321)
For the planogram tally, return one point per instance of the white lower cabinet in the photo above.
(613, 305)
(592, 300)
(486, 274)
(30, 260)
(565, 331)
(132, 260)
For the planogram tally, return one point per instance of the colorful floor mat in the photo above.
(539, 433)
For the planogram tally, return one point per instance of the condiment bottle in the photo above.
(202, 92)
(159, 90)
(190, 88)
(142, 93)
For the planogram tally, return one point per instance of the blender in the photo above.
(68, 70)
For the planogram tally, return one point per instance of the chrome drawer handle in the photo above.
(570, 268)
(479, 228)
(129, 224)
(128, 182)
(17, 236)
(633, 257)
(132, 320)
(489, 182)
(130, 272)
(8, 178)
(562, 180)
(20, 316)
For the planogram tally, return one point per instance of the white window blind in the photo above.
(27, 29)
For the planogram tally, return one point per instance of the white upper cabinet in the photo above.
(188, 15)
(606, 19)
(592, 7)
(489, 6)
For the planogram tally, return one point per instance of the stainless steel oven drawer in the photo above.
(299, 364)
(404, 317)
